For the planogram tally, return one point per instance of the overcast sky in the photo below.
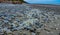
(43, 1)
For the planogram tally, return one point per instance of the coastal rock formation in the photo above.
(13, 1)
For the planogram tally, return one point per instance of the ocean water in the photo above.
(55, 2)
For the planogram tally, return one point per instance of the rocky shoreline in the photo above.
(20, 19)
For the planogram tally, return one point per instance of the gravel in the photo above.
(20, 19)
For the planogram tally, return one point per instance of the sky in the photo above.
(43, 1)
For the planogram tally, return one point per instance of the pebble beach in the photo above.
(20, 19)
